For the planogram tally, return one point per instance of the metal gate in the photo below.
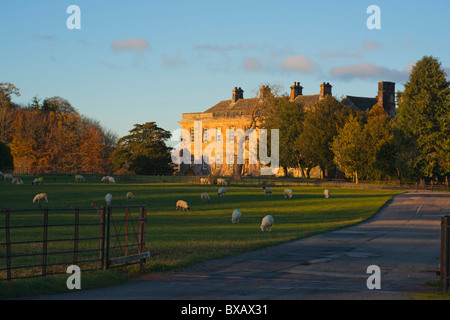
(124, 236)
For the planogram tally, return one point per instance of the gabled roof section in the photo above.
(244, 105)
(308, 100)
(360, 103)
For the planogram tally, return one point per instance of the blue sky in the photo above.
(138, 61)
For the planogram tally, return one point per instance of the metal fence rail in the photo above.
(41, 242)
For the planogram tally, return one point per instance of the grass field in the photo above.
(177, 239)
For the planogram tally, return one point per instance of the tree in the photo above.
(6, 159)
(58, 105)
(348, 148)
(377, 133)
(6, 90)
(287, 116)
(144, 150)
(321, 125)
(423, 118)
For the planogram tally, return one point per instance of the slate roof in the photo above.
(243, 105)
(360, 103)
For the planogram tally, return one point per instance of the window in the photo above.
(192, 135)
(219, 134)
(205, 135)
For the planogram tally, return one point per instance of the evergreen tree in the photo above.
(424, 120)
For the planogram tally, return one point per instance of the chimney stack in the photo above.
(296, 90)
(238, 93)
(325, 89)
(264, 92)
(386, 96)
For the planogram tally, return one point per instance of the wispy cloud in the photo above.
(138, 45)
(44, 37)
(366, 70)
(371, 46)
(252, 64)
(172, 61)
(339, 54)
(299, 63)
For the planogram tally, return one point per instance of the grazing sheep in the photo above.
(130, 196)
(287, 193)
(326, 192)
(221, 191)
(266, 223)
(7, 176)
(39, 197)
(205, 197)
(39, 180)
(108, 199)
(183, 205)
(79, 178)
(204, 181)
(17, 180)
(221, 181)
(267, 190)
(237, 214)
(109, 179)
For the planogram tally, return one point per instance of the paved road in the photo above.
(403, 240)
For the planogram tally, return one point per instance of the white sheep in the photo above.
(204, 181)
(221, 181)
(108, 199)
(287, 193)
(39, 180)
(267, 190)
(108, 179)
(221, 191)
(130, 196)
(235, 216)
(79, 178)
(17, 180)
(326, 192)
(7, 176)
(183, 205)
(205, 197)
(267, 223)
(39, 197)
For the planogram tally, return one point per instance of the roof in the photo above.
(307, 100)
(360, 103)
(246, 105)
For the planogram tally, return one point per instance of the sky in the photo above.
(137, 61)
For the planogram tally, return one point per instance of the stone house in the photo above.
(238, 113)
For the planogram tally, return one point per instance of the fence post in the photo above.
(102, 237)
(75, 236)
(8, 245)
(141, 231)
(444, 253)
(108, 223)
(44, 243)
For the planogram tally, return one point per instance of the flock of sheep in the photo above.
(267, 221)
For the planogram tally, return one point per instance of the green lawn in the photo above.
(177, 239)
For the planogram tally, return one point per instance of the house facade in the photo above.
(238, 114)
